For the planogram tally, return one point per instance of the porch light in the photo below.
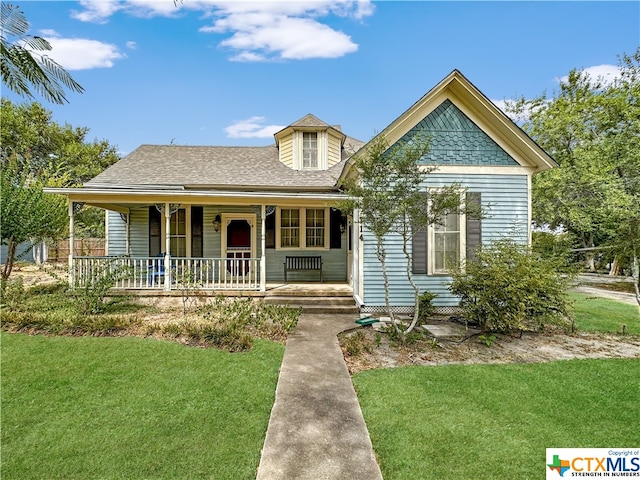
(216, 223)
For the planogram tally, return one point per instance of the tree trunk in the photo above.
(614, 271)
(416, 289)
(11, 253)
(382, 258)
(636, 278)
(587, 242)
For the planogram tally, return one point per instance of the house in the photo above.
(240, 218)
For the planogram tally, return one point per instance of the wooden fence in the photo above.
(82, 247)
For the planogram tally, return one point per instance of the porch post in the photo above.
(355, 253)
(71, 242)
(167, 247)
(263, 248)
(127, 246)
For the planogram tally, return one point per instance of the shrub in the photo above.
(12, 291)
(356, 344)
(507, 288)
(91, 294)
(426, 307)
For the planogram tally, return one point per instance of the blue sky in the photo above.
(232, 73)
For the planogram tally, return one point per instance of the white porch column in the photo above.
(263, 249)
(167, 246)
(355, 249)
(127, 245)
(71, 242)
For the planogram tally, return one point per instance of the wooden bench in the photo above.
(297, 264)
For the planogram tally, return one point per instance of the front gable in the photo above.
(455, 140)
(466, 129)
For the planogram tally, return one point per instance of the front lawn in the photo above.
(88, 408)
(595, 314)
(495, 421)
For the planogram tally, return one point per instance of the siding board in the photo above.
(116, 240)
(504, 197)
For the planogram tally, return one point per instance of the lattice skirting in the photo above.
(408, 310)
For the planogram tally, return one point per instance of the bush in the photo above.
(12, 292)
(232, 323)
(507, 288)
(426, 307)
(356, 344)
(91, 295)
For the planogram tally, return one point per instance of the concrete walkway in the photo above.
(316, 430)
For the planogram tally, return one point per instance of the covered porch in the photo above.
(217, 243)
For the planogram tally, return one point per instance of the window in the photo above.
(309, 150)
(458, 236)
(178, 233)
(302, 228)
(289, 228)
(315, 227)
(446, 239)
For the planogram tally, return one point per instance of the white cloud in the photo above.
(132, 45)
(289, 38)
(252, 127)
(96, 11)
(81, 53)
(259, 31)
(607, 74)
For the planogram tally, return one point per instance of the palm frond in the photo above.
(24, 68)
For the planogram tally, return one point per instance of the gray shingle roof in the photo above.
(309, 120)
(249, 168)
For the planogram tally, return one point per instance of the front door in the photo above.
(239, 243)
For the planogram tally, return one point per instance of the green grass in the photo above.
(495, 421)
(88, 408)
(595, 314)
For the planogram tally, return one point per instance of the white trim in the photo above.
(302, 237)
(154, 196)
(431, 244)
(478, 169)
(529, 211)
(226, 219)
(187, 226)
(106, 233)
(263, 248)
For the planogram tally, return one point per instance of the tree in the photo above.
(389, 192)
(23, 65)
(27, 213)
(40, 147)
(592, 129)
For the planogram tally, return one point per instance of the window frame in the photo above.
(302, 228)
(462, 243)
(310, 149)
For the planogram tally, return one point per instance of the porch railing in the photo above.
(150, 272)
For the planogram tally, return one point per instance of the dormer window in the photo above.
(309, 150)
(310, 144)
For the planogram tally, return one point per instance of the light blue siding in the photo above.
(116, 231)
(505, 200)
(334, 264)
(23, 252)
(334, 260)
(139, 232)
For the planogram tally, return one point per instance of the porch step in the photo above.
(316, 304)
